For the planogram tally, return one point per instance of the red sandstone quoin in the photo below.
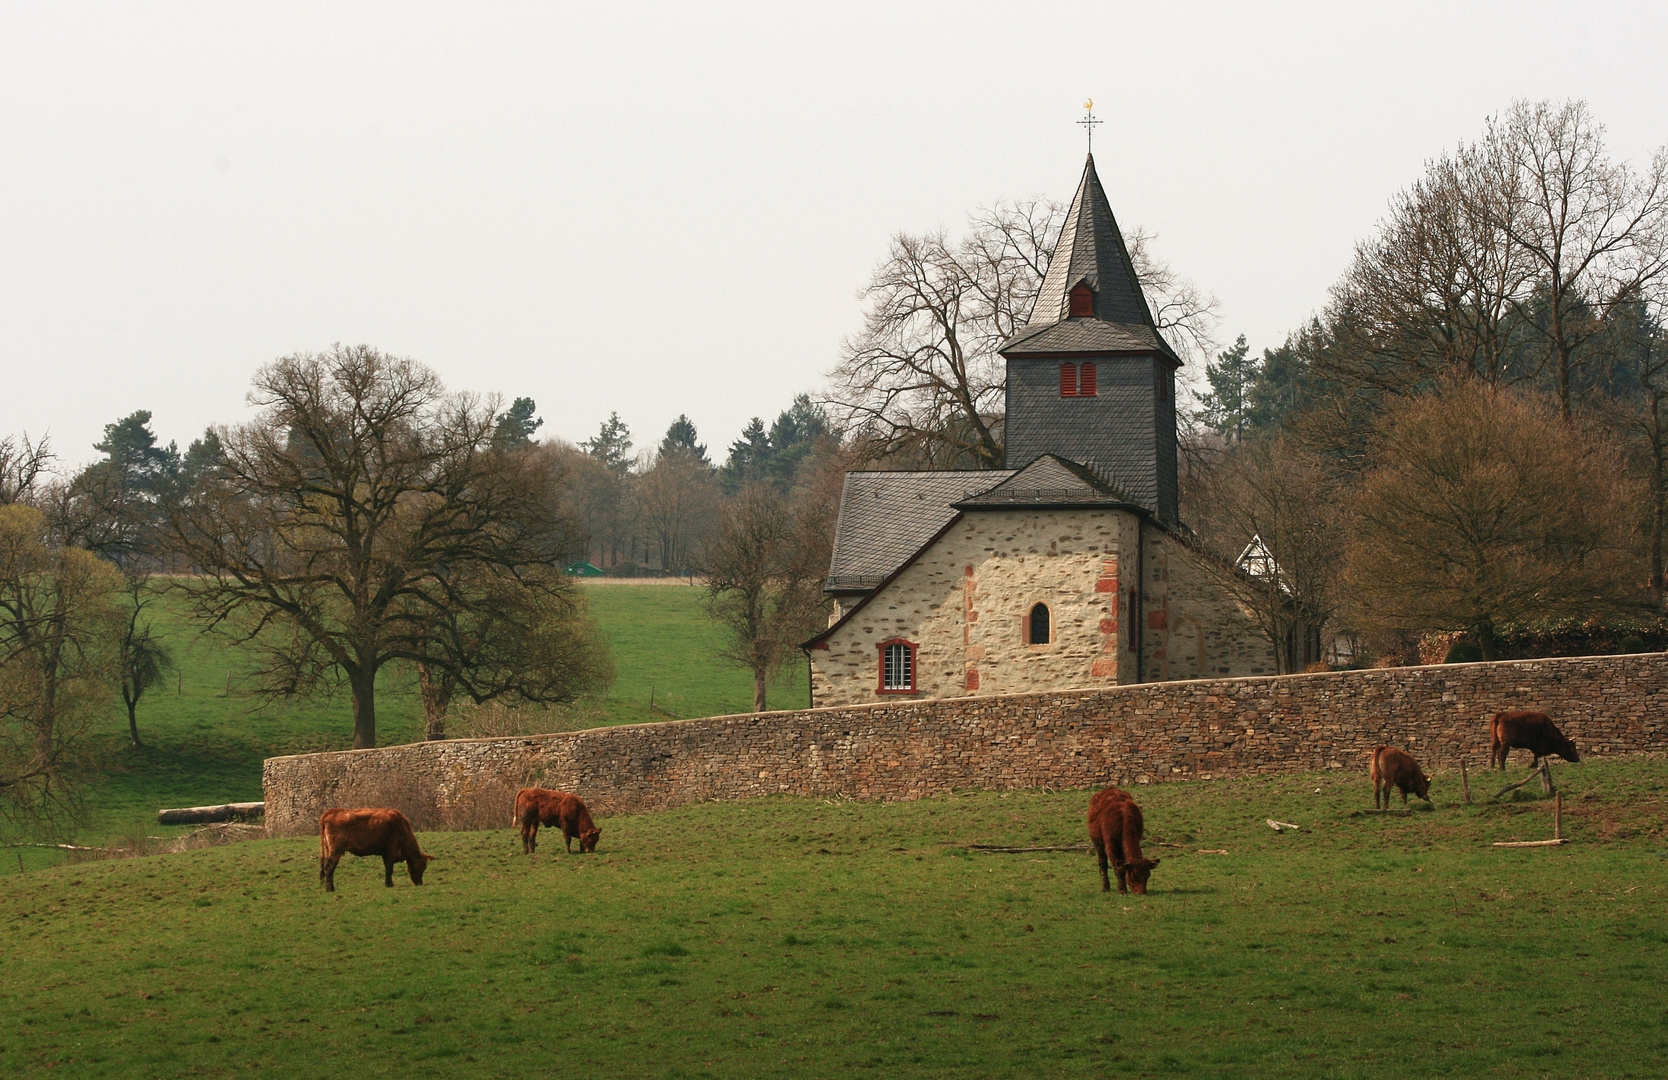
(1390, 768)
(542, 806)
(369, 831)
(1115, 829)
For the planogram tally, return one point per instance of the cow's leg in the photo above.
(327, 872)
(568, 836)
(1387, 799)
(1100, 853)
(388, 871)
(530, 836)
(1118, 865)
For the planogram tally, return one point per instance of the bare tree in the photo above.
(142, 657)
(22, 464)
(1481, 509)
(1438, 288)
(677, 504)
(766, 567)
(1595, 230)
(923, 377)
(366, 517)
(1273, 501)
(58, 627)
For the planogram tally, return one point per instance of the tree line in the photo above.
(366, 517)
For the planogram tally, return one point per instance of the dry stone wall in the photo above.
(1073, 739)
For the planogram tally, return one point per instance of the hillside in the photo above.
(206, 732)
(798, 937)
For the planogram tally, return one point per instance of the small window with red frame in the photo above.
(897, 667)
(1082, 301)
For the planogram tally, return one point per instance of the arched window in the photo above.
(1085, 380)
(1068, 380)
(897, 667)
(1082, 301)
(1036, 625)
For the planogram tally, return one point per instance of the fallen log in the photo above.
(997, 849)
(1279, 826)
(1531, 843)
(206, 815)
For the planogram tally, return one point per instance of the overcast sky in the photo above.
(671, 211)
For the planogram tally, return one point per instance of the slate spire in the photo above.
(1092, 251)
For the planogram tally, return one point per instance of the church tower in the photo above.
(1090, 378)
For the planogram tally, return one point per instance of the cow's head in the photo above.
(1422, 787)
(1568, 753)
(417, 864)
(588, 839)
(1136, 873)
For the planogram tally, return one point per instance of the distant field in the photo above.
(808, 938)
(206, 733)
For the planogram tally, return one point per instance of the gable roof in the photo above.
(1091, 249)
(886, 517)
(1051, 481)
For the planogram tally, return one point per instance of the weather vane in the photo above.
(1089, 122)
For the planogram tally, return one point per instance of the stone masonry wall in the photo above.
(1074, 739)
(964, 604)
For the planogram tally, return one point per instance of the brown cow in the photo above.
(542, 806)
(369, 831)
(1535, 732)
(1396, 768)
(1115, 829)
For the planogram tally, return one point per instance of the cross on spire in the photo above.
(1089, 122)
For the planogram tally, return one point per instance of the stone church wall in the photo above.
(1074, 739)
(1192, 628)
(965, 600)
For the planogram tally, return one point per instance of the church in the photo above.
(1067, 569)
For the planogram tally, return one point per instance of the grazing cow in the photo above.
(1531, 731)
(1115, 829)
(1395, 768)
(369, 832)
(542, 806)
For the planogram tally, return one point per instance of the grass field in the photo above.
(794, 937)
(206, 733)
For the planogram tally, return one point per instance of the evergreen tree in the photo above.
(130, 450)
(611, 444)
(1227, 406)
(749, 456)
(681, 438)
(516, 425)
(775, 456)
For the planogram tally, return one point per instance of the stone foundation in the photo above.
(1074, 739)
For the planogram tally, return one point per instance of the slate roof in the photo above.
(885, 517)
(1050, 481)
(1091, 249)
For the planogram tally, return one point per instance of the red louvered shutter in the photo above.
(1082, 302)
(1086, 380)
(1068, 380)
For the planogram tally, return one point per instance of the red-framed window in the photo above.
(1082, 301)
(1068, 380)
(1086, 380)
(897, 667)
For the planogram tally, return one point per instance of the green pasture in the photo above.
(808, 938)
(206, 732)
